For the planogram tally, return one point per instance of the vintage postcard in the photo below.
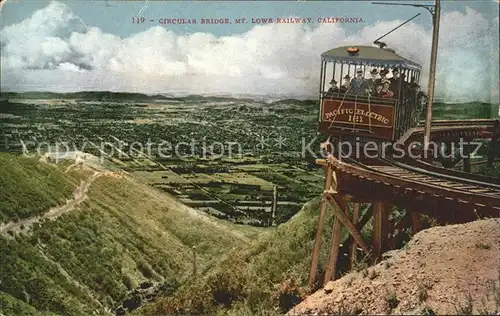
(249, 157)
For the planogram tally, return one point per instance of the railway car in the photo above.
(370, 92)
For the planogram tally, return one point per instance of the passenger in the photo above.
(405, 87)
(378, 91)
(386, 92)
(346, 85)
(422, 98)
(412, 92)
(383, 74)
(359, 84)
(394, 81)
(372, 81)
(333, 88)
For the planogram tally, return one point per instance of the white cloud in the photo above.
(51, 49)
(69, 67)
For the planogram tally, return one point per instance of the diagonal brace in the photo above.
(339, 213)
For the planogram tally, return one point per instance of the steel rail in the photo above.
(449, 177)
(372, 174)
(452, 172)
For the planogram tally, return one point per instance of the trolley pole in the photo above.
(432, 73)
(435, 11)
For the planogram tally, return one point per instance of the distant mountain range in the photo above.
(129, 96)
(140, 97)
(90, 95)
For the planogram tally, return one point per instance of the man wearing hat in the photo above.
(333, 87)
(421, 97)
(372, 82)
(383, 74)
(413, 89)
(395, 81)
(359, 84)
(346, 85)
(405, 86)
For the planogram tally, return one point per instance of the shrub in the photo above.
(392, 300)
(129, 282)
(288, 294)
(145, 269)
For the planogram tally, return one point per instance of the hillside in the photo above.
(460, 111)
(265, 279)
(443, 270)
(30, 188)
(123, 235)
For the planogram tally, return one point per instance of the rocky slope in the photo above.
(444, 270)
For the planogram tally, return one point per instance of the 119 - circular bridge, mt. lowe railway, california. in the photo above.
(262, 20)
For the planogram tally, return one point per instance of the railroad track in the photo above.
(451, 172)
(452, 180)
(460, 123)
(446, 194)
(395, 170)
(448, 197)
(450, 129)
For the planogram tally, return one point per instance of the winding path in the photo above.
(79, 195)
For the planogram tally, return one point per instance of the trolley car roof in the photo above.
(369, 55)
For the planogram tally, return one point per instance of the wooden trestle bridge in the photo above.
(447, 195)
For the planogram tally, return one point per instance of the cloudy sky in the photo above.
(94, 45)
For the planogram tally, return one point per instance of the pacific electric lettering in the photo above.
(357, 116)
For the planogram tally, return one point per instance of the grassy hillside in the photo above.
(470, 110)
(264, 279)
(29, 188)
(124, 235)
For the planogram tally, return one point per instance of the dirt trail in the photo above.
(79, 195)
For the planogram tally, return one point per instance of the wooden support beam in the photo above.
(355, 219)
(448, 161)
(319, 230)
(366, 217)
(331, 267)
(416, 223)
(322, 162)
(359, 226)
(466, 160)
(495, 142)
(380, 228)
(339, 212)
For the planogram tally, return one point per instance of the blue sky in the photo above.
(116, 16)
